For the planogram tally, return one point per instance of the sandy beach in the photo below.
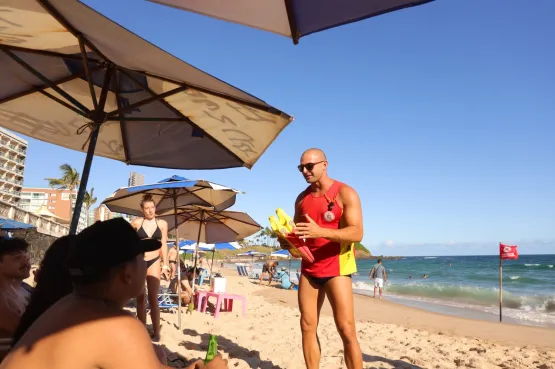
(391, 335)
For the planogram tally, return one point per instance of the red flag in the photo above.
(508, 252)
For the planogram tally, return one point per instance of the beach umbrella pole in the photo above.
(197, 247)
(212, 262)
(178, 262)
(99, 118)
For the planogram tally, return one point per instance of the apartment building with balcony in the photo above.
(56, 201)
(13, 151)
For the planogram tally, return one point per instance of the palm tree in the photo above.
(89, 200)
(69, 180)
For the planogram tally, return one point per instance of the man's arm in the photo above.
(186, 286)
(352, 215)
(371, 271)
(384, 275)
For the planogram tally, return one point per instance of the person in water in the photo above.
(89, 328)
(328, 215)
(150, 227)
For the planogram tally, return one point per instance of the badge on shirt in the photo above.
(329, 216)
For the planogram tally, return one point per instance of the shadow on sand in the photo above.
(252, 357)
(397, 364)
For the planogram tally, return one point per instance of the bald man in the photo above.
(328, 215)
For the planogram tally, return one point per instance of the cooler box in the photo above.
(217, 284)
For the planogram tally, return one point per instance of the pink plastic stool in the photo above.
(224, 300)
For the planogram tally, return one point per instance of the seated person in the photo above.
(89, 328)
(186, 283)
(286, 283)
(14, 268)
(52, 282)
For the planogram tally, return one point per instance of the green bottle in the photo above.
(212, 349)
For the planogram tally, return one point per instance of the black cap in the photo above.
(107, 244)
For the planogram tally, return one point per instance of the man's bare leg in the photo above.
(340, 294)
(374, 291)
(381, 290)
(262, 277)
(311, 299)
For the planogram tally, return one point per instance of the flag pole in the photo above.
(500, 288)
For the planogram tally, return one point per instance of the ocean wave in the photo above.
(430, 257)
(532, 265)
(513, 277)
(467, 295)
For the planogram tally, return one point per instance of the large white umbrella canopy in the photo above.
(74, 78)
(204, 224)
(291, 18)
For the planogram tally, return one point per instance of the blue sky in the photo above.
(441, 117)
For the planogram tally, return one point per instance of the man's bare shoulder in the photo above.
(348, 193)
(300, 197)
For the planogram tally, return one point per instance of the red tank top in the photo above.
(327, 254)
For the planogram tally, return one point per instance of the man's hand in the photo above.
(217, 363)
(309, 230)
(284, 244)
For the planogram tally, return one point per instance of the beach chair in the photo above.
(202, 276)
(240, 270)
(166, 300)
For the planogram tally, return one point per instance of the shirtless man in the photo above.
(89, 328)
(268, 268)
(172, 260)
(328, 215)
(14, 268)
(187, 276)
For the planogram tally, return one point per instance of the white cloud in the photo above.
(389, 243)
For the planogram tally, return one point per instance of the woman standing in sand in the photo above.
(150, 227)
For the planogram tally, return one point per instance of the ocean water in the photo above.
(462, 284)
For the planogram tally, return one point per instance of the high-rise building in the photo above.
(136, 179)
(56, 201)
(13, 151)
(102, 213)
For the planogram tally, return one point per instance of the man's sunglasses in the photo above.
(308, 166)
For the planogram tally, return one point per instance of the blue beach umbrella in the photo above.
(171, 193)
(11, 225)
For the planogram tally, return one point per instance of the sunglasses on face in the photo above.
(308, 166)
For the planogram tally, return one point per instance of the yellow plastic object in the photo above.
(282, 231)
(285, 220)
